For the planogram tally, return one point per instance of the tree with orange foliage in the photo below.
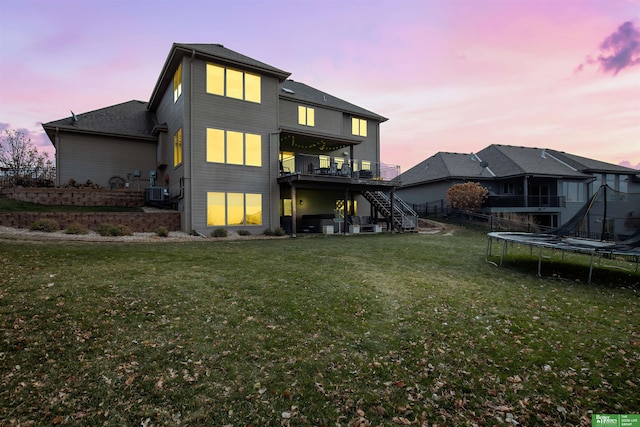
(468, 196)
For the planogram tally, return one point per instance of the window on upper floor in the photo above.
(234, 209)
(177, 148)
(358, 126)
(306, 116)
(237, 148)
(177, 83)
(573, 191)
(233, 83)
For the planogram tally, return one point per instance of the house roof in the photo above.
(130, 119)
(213, 52)
(297, 91)
(509, 160)
(590, 165)
(504, 161)
(443, 165)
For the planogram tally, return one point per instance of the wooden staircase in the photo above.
(405, 219)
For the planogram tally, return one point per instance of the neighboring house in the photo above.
(546, 185)
(233, 143)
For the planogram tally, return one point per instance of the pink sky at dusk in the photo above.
(451, 75)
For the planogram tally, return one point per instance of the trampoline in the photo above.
(566, 237)
(595, 249)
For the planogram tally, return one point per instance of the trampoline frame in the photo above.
(564, 244)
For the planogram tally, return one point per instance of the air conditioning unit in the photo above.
(156, 194)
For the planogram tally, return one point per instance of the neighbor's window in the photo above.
(234, 209)
(235, 148)
(233, 83)
(177, 83)
(177, 147)
(508, 188)
(306, 116)
(358, 126)
(573, 191)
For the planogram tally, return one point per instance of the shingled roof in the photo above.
(503, 161)
(443, 165)
(297, 91)
(213, 52)
(130, 119)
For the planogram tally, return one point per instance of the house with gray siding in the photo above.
(547, 186)
(232, 142)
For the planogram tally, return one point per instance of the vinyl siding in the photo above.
(218, 112)
(98, 158)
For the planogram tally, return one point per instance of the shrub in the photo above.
(275, 232)
(219, 232)
(162, 231)
(279, 232)
(76, 228)
(244, 233)
(47, 225)
(113, 230)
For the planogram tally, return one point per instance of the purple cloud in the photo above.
(618, 51)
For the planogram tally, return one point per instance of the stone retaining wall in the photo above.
(138, 222)
(76, 196)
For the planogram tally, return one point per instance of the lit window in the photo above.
(306, 116)
(177, 147)
(215, 79)
(216, 209)
(253, 150)
(252, 90)
(177, 83)
(358, 126)
(233, 83)
(286, 207)
(235, 148)
(215, 145)
(234, 209)
(235, 152)
(366, 165)
(253, 209)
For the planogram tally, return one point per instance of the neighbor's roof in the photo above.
(443, 165)
(297, 91)
(509, 160)
(130, 119)
(590, 165)
(213, 52)
(504, 161)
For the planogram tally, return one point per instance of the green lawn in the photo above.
(328, 330)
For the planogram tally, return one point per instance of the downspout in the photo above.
(57, 146)
(190, 182)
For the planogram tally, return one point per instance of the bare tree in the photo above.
(20, 159)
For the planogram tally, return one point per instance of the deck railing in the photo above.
(309, 164)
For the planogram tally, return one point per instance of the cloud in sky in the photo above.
(619, 50)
